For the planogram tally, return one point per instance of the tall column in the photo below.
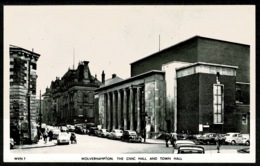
(114, 109)
(119, 109)
(131, 109)
(138, 110)
(125, 110)
(105, 111)
(108, 112)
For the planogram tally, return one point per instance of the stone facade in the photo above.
(184, 97)
(23, 66)
(70, 100)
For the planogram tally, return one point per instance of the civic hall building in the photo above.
(196, 86)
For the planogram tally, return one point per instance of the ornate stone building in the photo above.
(70, 100)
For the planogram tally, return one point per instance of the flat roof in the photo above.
(184, 41)
(132, 78)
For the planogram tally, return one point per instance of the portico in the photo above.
(124, 104)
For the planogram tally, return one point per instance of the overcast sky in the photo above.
(112, 37)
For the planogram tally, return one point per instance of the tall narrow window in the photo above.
(218, 103)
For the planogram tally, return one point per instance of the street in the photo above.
(97, 145)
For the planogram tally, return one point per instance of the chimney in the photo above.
(103, 77)
(113, 75)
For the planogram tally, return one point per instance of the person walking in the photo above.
(50, 135)
(217, 139)
(144, 134)
(45, 135)
(173, 140)
(167, 138)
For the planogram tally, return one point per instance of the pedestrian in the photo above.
(167, 138)
(45, 135)
(173, 140)
(50, 135)
(73, 138)
(144, 134)
(217, 139)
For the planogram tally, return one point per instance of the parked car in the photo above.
(103, 133)
(109, 135)
(64, 129)
(116, 134)
(243, 150)
(63, 138)
(183, 142)
(234, 138)
(11, 143)
(131, 136)
(181, 136)
(191, 149)
(196, 136)
(92, 130)
(56, 133)
(71, 128)
(207, 138)
(88, 126)
(79, 129)
(246, 139)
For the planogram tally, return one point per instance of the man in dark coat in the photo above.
(167, 136)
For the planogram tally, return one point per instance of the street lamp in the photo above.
(40, 113)
(144, 116)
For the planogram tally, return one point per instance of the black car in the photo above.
(207, 138)
(92, 131)
(131, 136)
(79, 129)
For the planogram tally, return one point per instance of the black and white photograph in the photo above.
(129, 83)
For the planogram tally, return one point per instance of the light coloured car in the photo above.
(191, 149)
(103, 133)
(233, 138)
(63, 138)
(56, 133)
(182, 143)
(116, 134)
(246, 139)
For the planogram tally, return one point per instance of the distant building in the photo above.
(70, 100)
(23, 66)
(196, 86)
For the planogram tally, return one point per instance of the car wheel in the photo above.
(233, 142)
(247, 143)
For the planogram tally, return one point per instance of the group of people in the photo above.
(45, 134)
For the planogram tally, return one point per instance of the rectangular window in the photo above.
(218, 103)
(244, 119)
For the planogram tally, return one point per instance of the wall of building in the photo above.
(188, 104)
(206, 101)
(185, 52)
(216, 51)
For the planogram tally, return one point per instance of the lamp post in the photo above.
(40, 112)
(144, 115)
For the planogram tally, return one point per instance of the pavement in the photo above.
(40, 144)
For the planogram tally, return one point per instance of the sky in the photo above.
(112, 37)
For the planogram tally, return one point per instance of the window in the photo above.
(244, 119)
(238, 95)
(218, 103)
